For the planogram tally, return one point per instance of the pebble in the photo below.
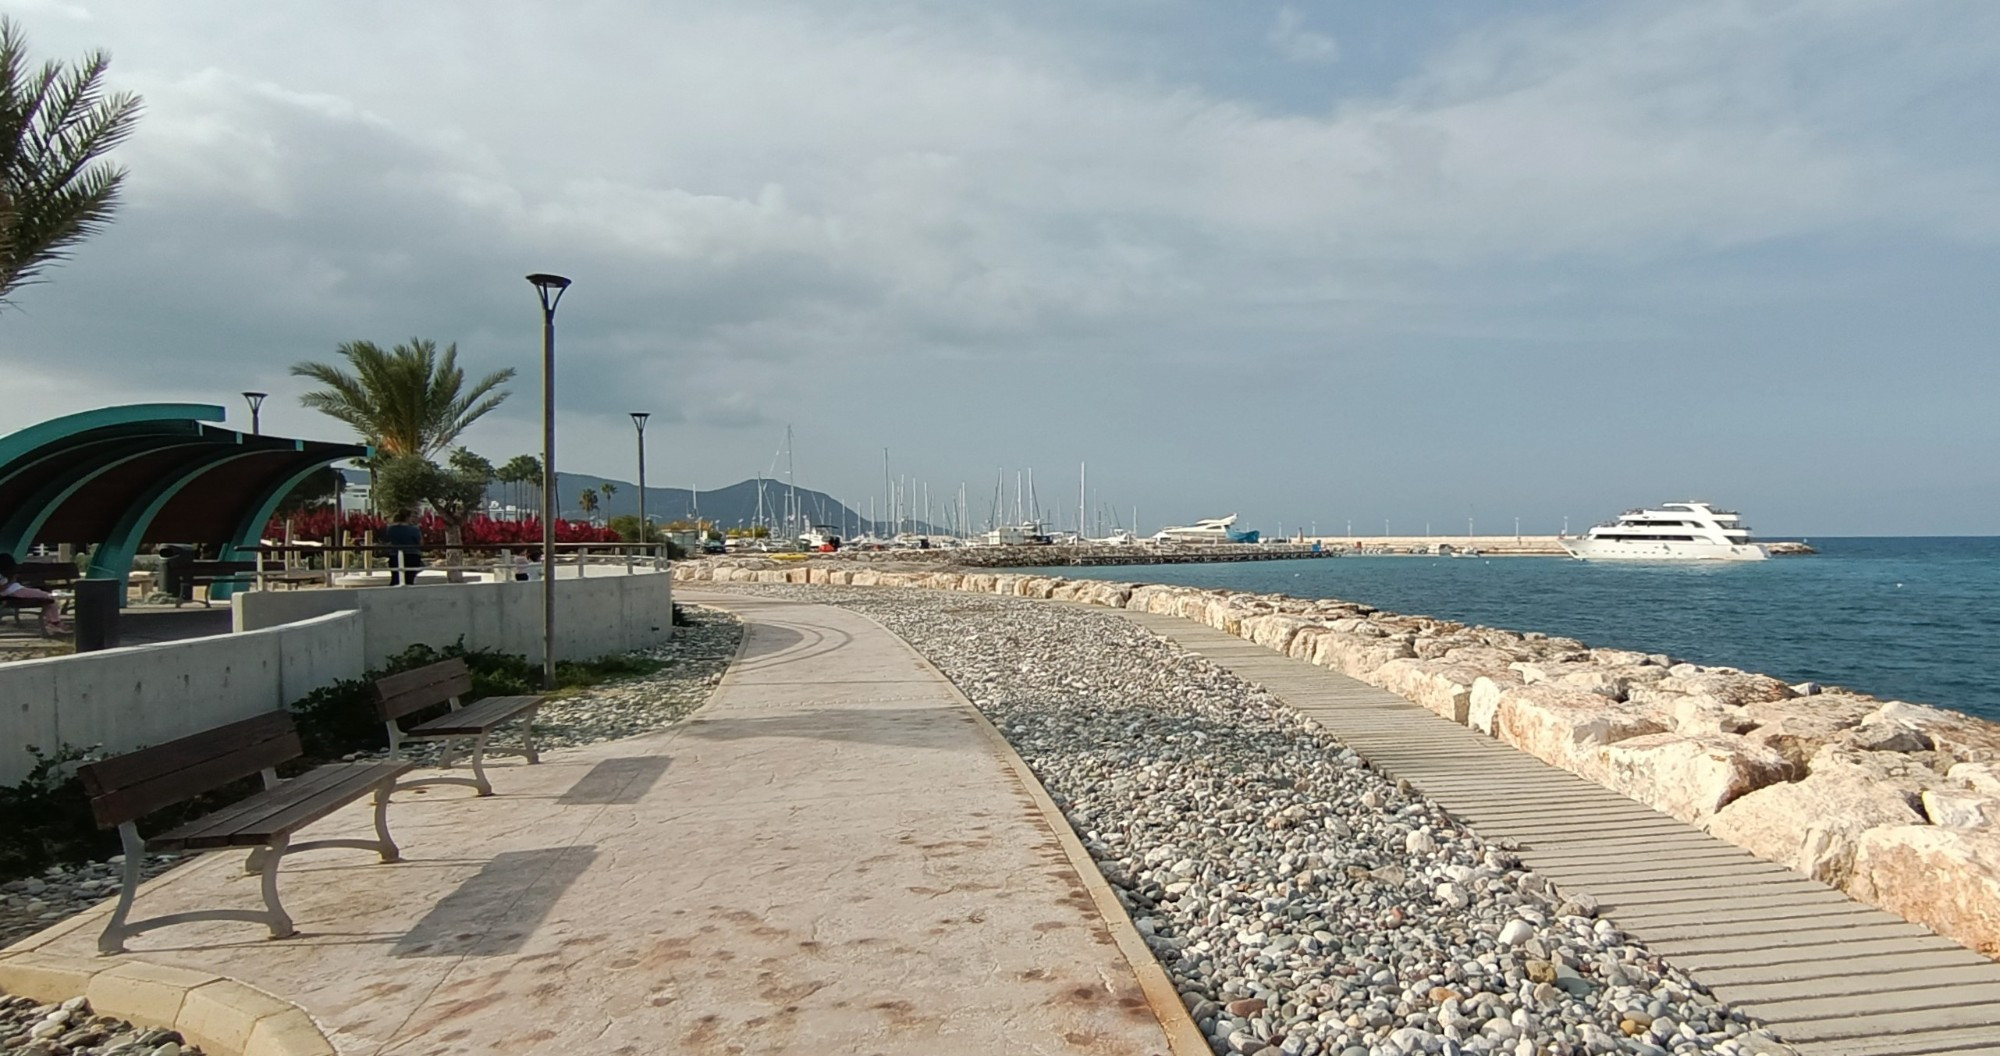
(1274, 866)
(30, 1028)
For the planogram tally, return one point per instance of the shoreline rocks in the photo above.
(1802, 775)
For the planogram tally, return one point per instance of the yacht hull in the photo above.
(1660, 550)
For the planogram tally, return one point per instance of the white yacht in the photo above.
(1676, 531)
(1212, 530)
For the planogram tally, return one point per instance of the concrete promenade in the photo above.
(836, 854)
(1833, 976)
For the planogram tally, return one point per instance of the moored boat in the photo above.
(1676, 531)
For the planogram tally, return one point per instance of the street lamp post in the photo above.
(549, 288)
(639, 423)
(256, 401)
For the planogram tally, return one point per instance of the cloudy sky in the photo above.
(1309, 262)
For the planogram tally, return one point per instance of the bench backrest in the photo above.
(220, 568)
(399, 695)
(130, 786)
(43, 573)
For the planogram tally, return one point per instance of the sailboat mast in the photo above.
(792, 484)
(1082, 498)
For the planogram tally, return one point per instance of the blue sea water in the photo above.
(1913, 619)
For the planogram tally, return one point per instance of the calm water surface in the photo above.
(1913, 619)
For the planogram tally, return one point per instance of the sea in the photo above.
(1914, 619)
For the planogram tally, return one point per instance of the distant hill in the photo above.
(729, 507)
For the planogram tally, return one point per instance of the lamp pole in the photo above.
(549, 288)
(256, 401)
(639, 423)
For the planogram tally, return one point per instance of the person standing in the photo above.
(408, 555)
(12, 587)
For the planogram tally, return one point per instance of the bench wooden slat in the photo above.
(398, 695)
(284, 809)
(253, 808)
(137, 783)
(476, 718)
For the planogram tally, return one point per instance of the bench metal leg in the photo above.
(528, 737)
(280, 922)
(122, 927)
(390, 852)
(484, 786)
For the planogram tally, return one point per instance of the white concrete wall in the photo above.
(608, 611)
(150, 694)
(288, 643)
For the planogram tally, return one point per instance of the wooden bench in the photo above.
(446, 681)
(208, 574)
(42, 575)
(128, 787)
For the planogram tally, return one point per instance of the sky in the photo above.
(1311, 262)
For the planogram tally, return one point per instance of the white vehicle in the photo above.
(1676, 531)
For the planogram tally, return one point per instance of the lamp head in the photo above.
(256, 398)
(545, 284)
(639, 419)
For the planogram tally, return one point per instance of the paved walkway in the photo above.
(834, 855)
(1831, 975)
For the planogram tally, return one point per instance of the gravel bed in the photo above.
(698, 654)
(31, 1029)
(1302, 902)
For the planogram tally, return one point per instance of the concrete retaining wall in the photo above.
(602, 613)
(148, 694)
(289, 643)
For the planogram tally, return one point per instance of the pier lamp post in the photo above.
(549, 288)
(256, 401)
(639, 423)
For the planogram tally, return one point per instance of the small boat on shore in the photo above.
(1676, 531)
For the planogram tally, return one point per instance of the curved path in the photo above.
(834, 855)
(1832, 976)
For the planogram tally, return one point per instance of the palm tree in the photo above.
(55, 121)
(607, 489)
(587, 502)
(409, 400)
(521, 470)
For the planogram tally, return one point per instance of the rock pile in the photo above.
(29, 904)
(1303, 903)
(1898, 804)
(69, 1029)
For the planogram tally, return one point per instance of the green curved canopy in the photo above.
(123, 478)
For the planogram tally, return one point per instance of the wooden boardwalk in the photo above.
(1830, 975)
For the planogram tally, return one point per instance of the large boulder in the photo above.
(1946, 878)
(1565, 727)
(1358, 655)
(1957, 738)
(1961, 810)
(1726, 685)
(1983, 778)
(1799, 728)
(1274, 631)
(1438, 685)
(1483, 705)
(1688, 777)
(1702, 716)
(1814, 825)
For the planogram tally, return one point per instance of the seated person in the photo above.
(12, 587)
(407, 537)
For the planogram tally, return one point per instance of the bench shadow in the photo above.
(495, 910)
(626, 779)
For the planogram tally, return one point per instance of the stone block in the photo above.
(1689, 778)
(147, 994)
(219, 1016)
(46, 979)
(1564, 727)
(1948, 879)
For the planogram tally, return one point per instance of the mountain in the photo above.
(728, 507)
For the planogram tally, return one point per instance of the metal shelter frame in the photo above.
(119, 478)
